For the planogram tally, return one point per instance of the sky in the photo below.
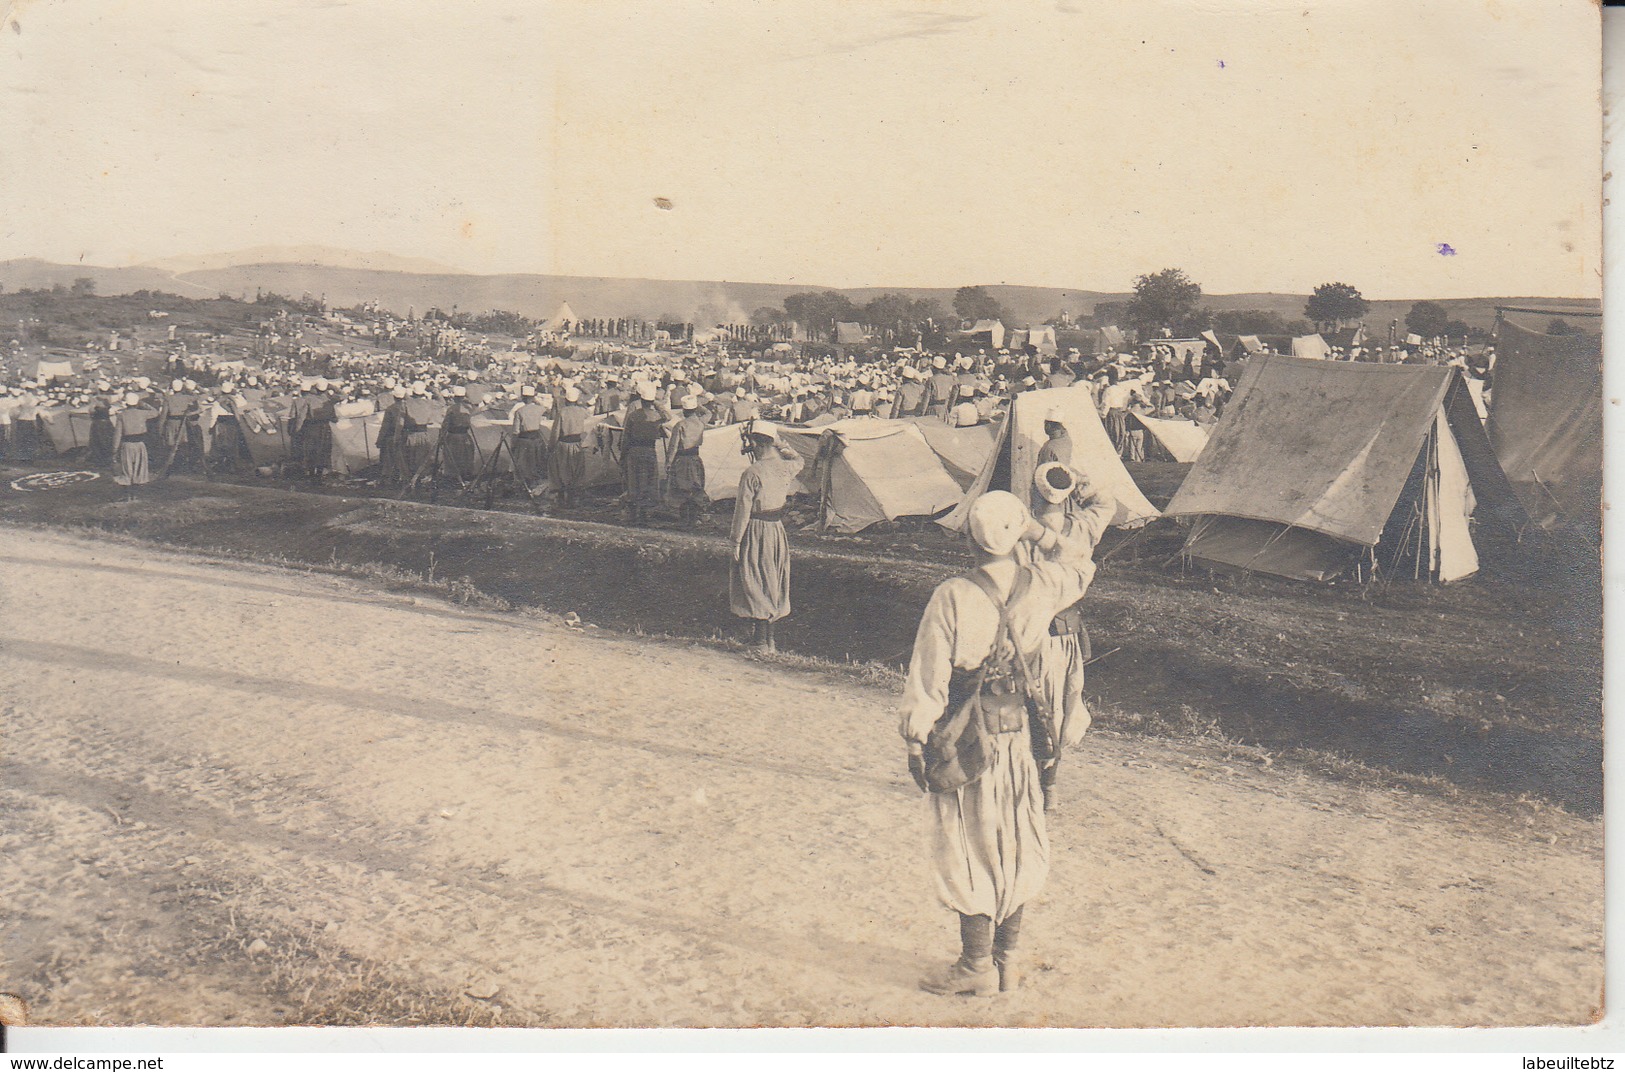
(1443, 150)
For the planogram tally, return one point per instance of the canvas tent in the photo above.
(990, 331)
(1546, 422)
(864, 470)
(867, 470)
(1312, 346)
(1321, 470)
(962, 451)
(1011, 463)
(54, 368)
(1178, 440)
(1042, 339)
(850, 334)
(562, 320)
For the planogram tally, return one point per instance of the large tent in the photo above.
(1014, 457)
(1320, 470)
(1546, 422)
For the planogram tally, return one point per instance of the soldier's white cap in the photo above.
(646, 391)
(420, 388)
(527, 391)
(1054, 482)
(939, 362)
(132, 399)
(997, 520)
(572, 394)
(398, 391)
(459, 391)
(690, 402)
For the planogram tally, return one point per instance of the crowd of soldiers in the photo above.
(653, 404)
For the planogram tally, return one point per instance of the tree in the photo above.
(1458, 329)
(1334, 304)
(83, 287)
(1559, 326)
(897, 315)
(975, 303)
(818, 312)
(1110, 314)
(1167, 299)
(766, 317)
(1427, 319)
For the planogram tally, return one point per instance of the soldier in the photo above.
(457, 433)
(911, 394)
(130, 444)
(567, 454)
(985, 814)
(529, 448)
(759, 579)
(683, 464)
(645, 428)
(1058, 447)
(417, 417)
(940, 389)
(1078, 513)
(391, 441)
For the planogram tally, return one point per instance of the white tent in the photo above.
(1014, 458)
(1311, 346)
(993, 329)
(863, 469)
(869, 470)
(562, 321)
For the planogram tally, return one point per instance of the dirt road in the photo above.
(243, 795)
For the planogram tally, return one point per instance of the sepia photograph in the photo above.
(720, 514)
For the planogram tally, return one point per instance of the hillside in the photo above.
(591, 296)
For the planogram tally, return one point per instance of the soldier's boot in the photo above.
(1006, 956)
(973, 973)
(978, 978)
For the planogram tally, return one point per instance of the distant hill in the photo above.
(702, 302)
(320, 256)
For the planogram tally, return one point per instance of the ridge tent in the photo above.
(67, 429)
(1180, 440)
(863, 469)
(1042, 339)
(849, 334)
(868, 470)
(992, 329)
(54, 369)
(725, 463)
(1112, 338)
(1312, 346)
(1014, 458)
(1546, 422)
(1318, 468)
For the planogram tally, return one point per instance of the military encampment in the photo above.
(736, 515)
